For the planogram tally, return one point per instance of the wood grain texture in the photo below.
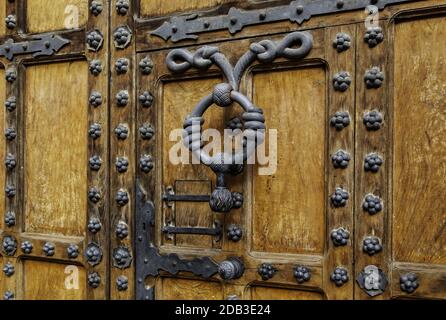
(182, 289)
(288, 206)
(268, 293)
(38, 287)
(56, 171)
(2, 146)
(419, 168)
(163, 7)
(2, 16)
(49, 15)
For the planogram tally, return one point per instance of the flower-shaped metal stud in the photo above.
(93, 254)
(10, 134)
(96, 7)
(146, 99)
(122, 197)
(11, 75)
(302, 274)
(122, 65)
(122, 98)
(339, 276)
(122, 257)
(10, 191)
(122, 230)
(73, 251)
(95, 131)
(342, 81)
(235, 233)
(340, 237)
(340, 120)
(10, 219)
(27, 247)
(237, 200)
(371, 245)
(95, 163)
(374, 78)
(11, 103)
(10, 161)
(95, 67)
(234, 124)
(95, 99)
(94, 225)
(94, 195)
(94, 40)
(9, 295)
(146, 131)
(122, 283)
(122, 7)
(146, 66)
(8, 269)
(122, 164)
(409, 282)
(146, 163)
(342, 42)
(11, 21)
(372, 204)
(373, 120)
(122, 132)
(339, 198)
(49, 249)
(372, 162)
(267, 271)
(9, 245)
(374, 36)
(340, 159)
(94, 280)
(122, 37)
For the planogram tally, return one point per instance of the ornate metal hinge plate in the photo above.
(188, 27)
(46, 45)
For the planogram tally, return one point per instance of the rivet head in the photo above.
(95, 163)
(11, 75)
(11, 103)
(9, 295)
(373, 120)
(95, 131)
(10, 134)
(340, 4)
(342, 42)
(299, 9)
(233, 20)
(234, 233)
(95, 99)
(10, 191)
(11, 21)
(340, 159)
(374, 36)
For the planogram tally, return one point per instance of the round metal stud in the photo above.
(93, 254)
(9, 295)
(302, 274)
(374, 78)
(11, 21)
(10, 191)
(122, 37)
(73, 251)
(10, 219)
(122, 7)
(373, 162)
(146, 163)
(342, 81)
(341, 159)
(94, 280)
(11, 103)
(122, 258)
(409, 282)
(8, 269)
(339, 276)
(9, 245)
(343, 42)
(340, 237)
(266, 271)
(94, 195)
(122, 132)
(372, 204)
(234, 233)
(147, 131)
(373, 120)
(122, 98)
(122, 197)
(95, 163)
(122, 65)
(95, 67)
(27, 247)
(122, 230)
(372, 245)
(49, 249)
(374, 36)
(94, 40)
(122, 283)
(122, 164)
(146, 99)
(10, 134)
(96, 7)
(339, 198)
(94, 225)
(95, 131)
(95, 99)
(146, 66)
(340, 120)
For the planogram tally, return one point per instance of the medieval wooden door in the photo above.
(101, 201)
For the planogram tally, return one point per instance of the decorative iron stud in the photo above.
(10, 191)
(27, 247)
(234, 124)
(373, 120)
(266, 271)
(146, 163)
(9, 245)
(339, 276)
(374, 36)
(122, 283)
(339, 4)
(93, 254)
(231, 269)
(342, 42)
(8, 269)
(122, 132)
(10, 219)
(374, 78)
(341, 159)
(10, 134)
(237, 200)
(11, 103)
(94, 195)
(94, 40)
(372, 204)
(122, 37)
(339, 198)
(340, 120)
(9, 295)
(340, 237)
(49, 249)
(95, 99)
(122, 98)
(409, 282)
(122, 65)
(146, 99)
(122, 197)
(122, 258)
(235, 233)
(342, 81)
(94, 225)
(95, 67)
(373, 162)
(94, 279)
(11, 75)
(95, 163)
(371, 245)
(10, 161)
(122, 230)
(73, 251)
(95, 131)
(122, 7)
(122, 164)
(96, 7)
(11, 21)
(146, 66)
(302, 274)
(146, 131)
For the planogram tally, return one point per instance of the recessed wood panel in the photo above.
(56, 148)
(2, 16)
(48, 15)
(182, 289)
(2, 145)
(419, 168)
(163, 7)
(288, 206)
(265, 293)
(52, 281)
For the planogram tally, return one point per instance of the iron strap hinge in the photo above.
(194, 230)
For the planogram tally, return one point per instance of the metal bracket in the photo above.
(188, 27)
(44, 46)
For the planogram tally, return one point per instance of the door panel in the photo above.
(265, 293)
(183, 289)
(160, 8)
